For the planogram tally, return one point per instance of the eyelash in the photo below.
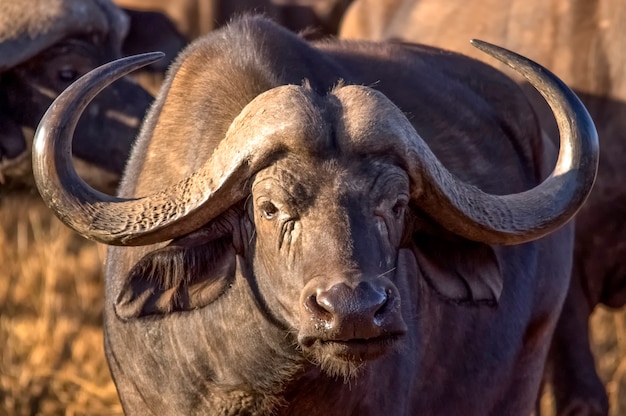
(268, 210)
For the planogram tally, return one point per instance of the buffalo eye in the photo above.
(269, 210)
(399, 207)
(67, 74)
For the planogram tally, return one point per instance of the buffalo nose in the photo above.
(351, 313)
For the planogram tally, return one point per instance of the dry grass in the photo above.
(52, 358)
(51, 355)
(609, 346)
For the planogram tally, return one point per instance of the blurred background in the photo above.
(51, 282)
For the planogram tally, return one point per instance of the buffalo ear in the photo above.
(459, 270)
(187, 274)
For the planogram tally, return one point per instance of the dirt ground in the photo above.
(51, 299)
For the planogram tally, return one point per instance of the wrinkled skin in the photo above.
(583, 42)
(253, 313)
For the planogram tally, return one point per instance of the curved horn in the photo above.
(525, 216)
(199, 198)
(460, 207)
(52, 145)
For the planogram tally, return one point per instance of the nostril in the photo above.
(384, 303)
(373, 299)
(318, 310)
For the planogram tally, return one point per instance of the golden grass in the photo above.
(52, 358)
(608, 334)
(51, 299)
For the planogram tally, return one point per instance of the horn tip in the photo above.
(482, 45)
(152, 56)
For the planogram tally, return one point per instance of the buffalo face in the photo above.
(326, 245)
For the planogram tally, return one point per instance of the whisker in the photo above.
(252, 237)
(393, 269)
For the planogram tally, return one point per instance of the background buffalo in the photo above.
(44, 47)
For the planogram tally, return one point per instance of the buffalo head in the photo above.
(44, 47)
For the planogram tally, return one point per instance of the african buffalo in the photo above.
(45, 45)
(584, 42)
(286, 242)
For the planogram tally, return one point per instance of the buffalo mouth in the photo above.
(346, 357)
(360, 349)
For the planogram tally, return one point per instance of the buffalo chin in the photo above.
(349, 358)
